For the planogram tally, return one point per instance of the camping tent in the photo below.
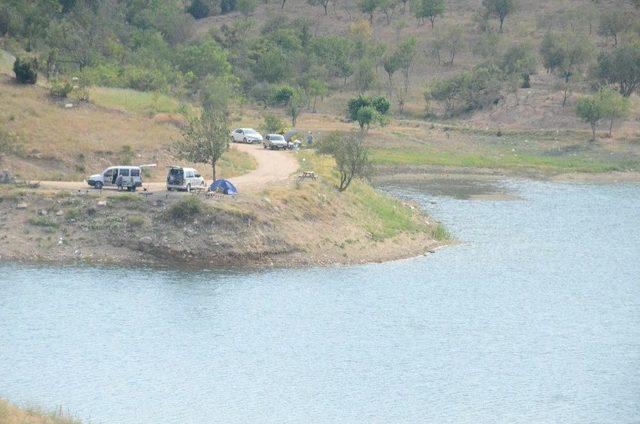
(223, 186)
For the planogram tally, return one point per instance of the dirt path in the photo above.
(272, 167)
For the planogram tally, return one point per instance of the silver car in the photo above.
(274, 142)
(246, 135)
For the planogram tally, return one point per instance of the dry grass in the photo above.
(10, 414)
(59, 143)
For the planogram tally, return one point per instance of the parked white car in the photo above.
(274, 142)
(180, 178)
(246, 135)
(122, 177)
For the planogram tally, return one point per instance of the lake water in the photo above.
(533, 317)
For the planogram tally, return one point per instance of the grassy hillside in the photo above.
(51, 142)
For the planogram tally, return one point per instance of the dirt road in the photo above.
(272, 167)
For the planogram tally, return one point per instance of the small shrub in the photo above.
(43, 221)
(136, 220)
(60, 88)
(440, 233)
(72, 215)
(26, 70)
(273, 125)
(186, 209)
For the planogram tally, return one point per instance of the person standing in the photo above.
(309, 138)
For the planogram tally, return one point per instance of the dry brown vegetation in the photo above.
(10, 414)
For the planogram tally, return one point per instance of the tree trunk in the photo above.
(501, 22)
(283, 2)
(432, 19)
(611, 128)
(213, 170)
(593, 130)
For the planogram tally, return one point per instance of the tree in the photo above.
(295, 104)
(428, 9)
(613, 106)
(499, 9)
(450, 41)
(391, 66)
(246, 7)
(26, 70)
(621, 67)
(589, 109)
(365, 75)
(323, 3)
(204, 139)
(199, 9)
(315, 89)
(519, 60)
(566, 55)
(350, 154)
(368, 110)
(614, 21)
(405, 55)
(273, 125)
(369, 7)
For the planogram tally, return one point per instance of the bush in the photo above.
(186, 209)
(467, 91)
(198, 9)
(26, 70)
(60, 88)
(136, 221)
(273, 125)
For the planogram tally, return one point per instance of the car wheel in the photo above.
(264, 146)
(99, 185)
(244, 140)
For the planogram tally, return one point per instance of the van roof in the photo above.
(123, 167)
(184, 168)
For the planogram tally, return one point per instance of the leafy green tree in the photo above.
(351, 156)
(449, 41)
(246, 7)
(613, 105)
(589, 109)
(369, 8)
(613, 22)
(621, 68)
(205, 139)
(315, 89)
(295, 105)
(467, 91)
(365, 75)
(199, 9)
(26, 70)
(368, 110)
(273, 125)
(205, 58)
(428, 9)
(566, 55)
(323, 3)
(499, 9)
(405, 55)
(520, 60)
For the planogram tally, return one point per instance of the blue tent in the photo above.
(223, 186)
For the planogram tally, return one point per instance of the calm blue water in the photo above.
(534, 317)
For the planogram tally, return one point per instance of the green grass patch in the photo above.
(43, 221)
(504, 160)
(133, 101)
(186, 209)
(441, 233)
(383, 216)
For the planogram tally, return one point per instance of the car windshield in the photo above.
(277, 138)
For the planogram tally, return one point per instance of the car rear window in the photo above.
(135, 172)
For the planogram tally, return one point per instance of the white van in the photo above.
(122, 177)
(180, 178)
